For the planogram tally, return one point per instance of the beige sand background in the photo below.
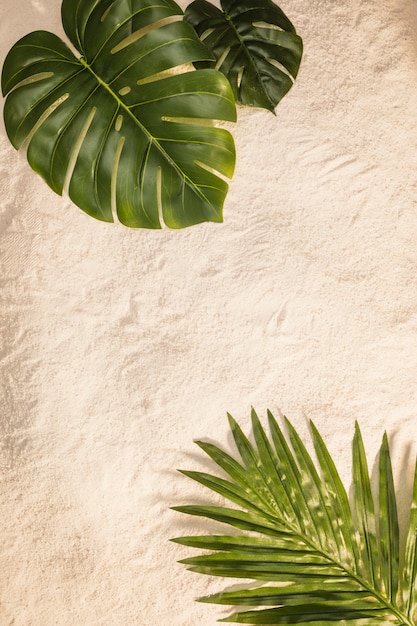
(119, 347)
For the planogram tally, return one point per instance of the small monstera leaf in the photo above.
(312, 556)
(120, 129)
(255, 46)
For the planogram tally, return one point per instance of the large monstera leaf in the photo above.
(255, 46)
(123, 129)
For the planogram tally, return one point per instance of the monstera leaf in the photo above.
(255, 46)
(320, 560)
(116, 128)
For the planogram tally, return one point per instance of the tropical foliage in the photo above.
(128, 129)
(313, 556)
(255, 46)
(116, 128)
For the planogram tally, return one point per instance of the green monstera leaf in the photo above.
(123, 129)
(312, 556)
(255, 46)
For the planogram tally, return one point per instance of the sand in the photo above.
(120, 347)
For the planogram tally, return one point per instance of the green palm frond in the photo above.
(314, 557)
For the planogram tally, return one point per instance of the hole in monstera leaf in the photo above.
(106, 12)
(118, 123)
(35, 78)
(44, 117)
(222, 58)
(143, 31)
(159, 196)
(281, 67)
(114, 173)
(187, 120)
(179, 69)
(240, 76)
(207, 33)
(267, 25)
(212, 170)
(124, 91)
(77, 148)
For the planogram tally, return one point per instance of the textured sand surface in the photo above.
(119, 347)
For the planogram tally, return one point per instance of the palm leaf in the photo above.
(255, 46)
(388, 523)
(342, 513)
(365, 513)
(320, 558)
(128, 135)
(409, 575)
